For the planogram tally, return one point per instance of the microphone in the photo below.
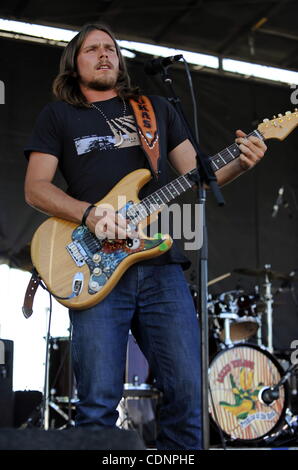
(155, 66)
(268, 395)
(278, 201)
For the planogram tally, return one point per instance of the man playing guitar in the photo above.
(90, 133)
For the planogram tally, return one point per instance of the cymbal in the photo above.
(217, 279)
(263, 272)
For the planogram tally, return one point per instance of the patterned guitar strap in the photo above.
(147, 130)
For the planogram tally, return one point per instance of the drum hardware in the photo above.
(225, 334)
(250, 404)
(58, 409)
(268, 395)
(287, 433)
(61, 384)
(234, 317)
(139, 405)
(266, 297)
(138, 410)
(284, 358)
(272, 275)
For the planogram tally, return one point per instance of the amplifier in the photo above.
(6, 393)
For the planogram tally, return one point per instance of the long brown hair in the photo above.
(66, 86)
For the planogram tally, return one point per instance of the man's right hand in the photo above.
(106, 223)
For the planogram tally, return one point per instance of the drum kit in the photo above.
(249, 388)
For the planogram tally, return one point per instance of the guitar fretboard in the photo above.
(164, 195)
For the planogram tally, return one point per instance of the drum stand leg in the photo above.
(268, 299)
(45, 405)
(53, 402)
(259, 333)
(227, 327)
(65, 416)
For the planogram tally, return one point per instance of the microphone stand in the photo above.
(204, 176)
(268, 395)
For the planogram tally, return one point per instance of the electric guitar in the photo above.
(80, 269)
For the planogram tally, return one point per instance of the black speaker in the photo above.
(70, 439)
(6, 393)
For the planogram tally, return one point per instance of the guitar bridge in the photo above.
(77, 253)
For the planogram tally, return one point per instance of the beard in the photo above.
(101, 83)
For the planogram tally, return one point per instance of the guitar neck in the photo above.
(169, 192)
(222, 158)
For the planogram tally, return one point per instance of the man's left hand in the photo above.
(252, 149)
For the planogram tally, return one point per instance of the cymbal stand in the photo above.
(259, 334)
(268, 299)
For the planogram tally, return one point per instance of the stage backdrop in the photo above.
(242, 234)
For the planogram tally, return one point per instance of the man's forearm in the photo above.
(48, 198)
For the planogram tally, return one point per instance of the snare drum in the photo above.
(237, 376)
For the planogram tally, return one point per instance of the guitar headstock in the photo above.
(280, 126)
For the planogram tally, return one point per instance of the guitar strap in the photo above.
(147, 130)
(34, 282)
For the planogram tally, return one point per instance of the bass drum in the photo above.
(236, 376)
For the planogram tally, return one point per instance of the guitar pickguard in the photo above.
(104, 256)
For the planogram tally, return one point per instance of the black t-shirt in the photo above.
(84, 139)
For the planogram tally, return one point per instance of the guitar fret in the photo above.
(217, 161)
(167, 199)
(188, 184)
(155, 203)
(235, 150)
(179, 183)
(175, 193)
(217, 168)
(169, 192)
(230, 152)
(144, 201)
(158, 198)
(224, 162)
(142, 210)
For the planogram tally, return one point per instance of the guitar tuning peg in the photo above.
(274, 117)
(266, 120)
(287, 113)
(280, 115)
(296, 109)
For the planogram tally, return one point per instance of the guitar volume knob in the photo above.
(97, 271)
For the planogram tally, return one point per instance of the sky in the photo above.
(28, 335)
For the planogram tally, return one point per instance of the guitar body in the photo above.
(66, 255)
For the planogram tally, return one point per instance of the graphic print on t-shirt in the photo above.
(124, 126)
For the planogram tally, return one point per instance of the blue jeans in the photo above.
(155, 303)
